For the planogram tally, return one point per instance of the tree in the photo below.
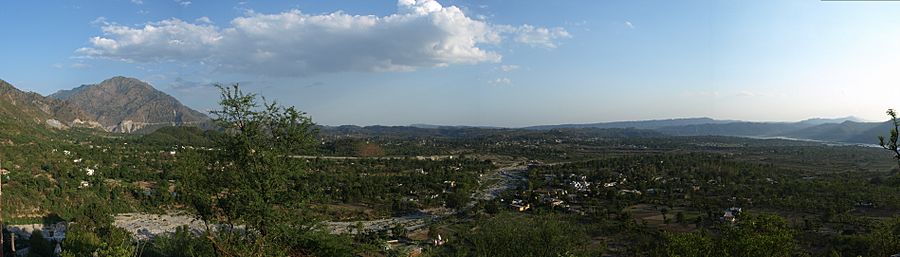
(765, 235)
(38, 245)
(511, 235)
(665, 211)
(251, 179)
(891, 145)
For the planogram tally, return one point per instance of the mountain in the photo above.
(742, 128)
(848, 131)
(460, 132)
(128, 105)
(820, 121)
(432, 126)
(29, 109)
(643, 124)
(842, 130)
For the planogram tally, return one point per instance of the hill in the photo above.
(128, 105)
(643, 124)
(847, 129)
(849, 132)
(30, 115)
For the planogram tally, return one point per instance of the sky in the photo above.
(504, 63)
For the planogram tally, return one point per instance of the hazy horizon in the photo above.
(477, 63)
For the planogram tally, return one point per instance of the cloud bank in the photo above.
(421, 34)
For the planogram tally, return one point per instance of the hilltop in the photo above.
(128, 105)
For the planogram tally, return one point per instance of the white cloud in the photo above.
(508, 68)
(537, 36)
(171, 39)
(137, 2)
(100, 21)
(77, 65)
(629, 25)
(421, 34)
(80, 65)
(183, 2)
(203, 19)
(500, 82)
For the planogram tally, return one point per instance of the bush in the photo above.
(511, 235)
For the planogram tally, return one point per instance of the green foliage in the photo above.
(883, 240)
(763, 235)
(93, 216)
(511, 235)
(182, 243)
(80, 242)
(251, 181)
(39, 246)
(107, 241)
(391, 186)
(180, 135)
(891, 144)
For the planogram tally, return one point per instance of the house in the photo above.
(731, 214)
(865, 204)
(439, 241)
(452, 183)
(520, 205)
(729, 217)
(556, 202)
(581, 185)
(633, 191)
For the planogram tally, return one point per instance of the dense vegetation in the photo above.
(271, 183)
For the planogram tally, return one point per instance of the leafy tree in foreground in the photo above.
(891, 144)
(249, 187)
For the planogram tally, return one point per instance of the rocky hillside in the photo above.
(28, 108)
(129, 105)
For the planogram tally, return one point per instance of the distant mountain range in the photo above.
(842, 130)
(118, 104)
(846, 130)
(128, 105)
(644, 124)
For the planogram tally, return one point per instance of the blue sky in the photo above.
(495, 62)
